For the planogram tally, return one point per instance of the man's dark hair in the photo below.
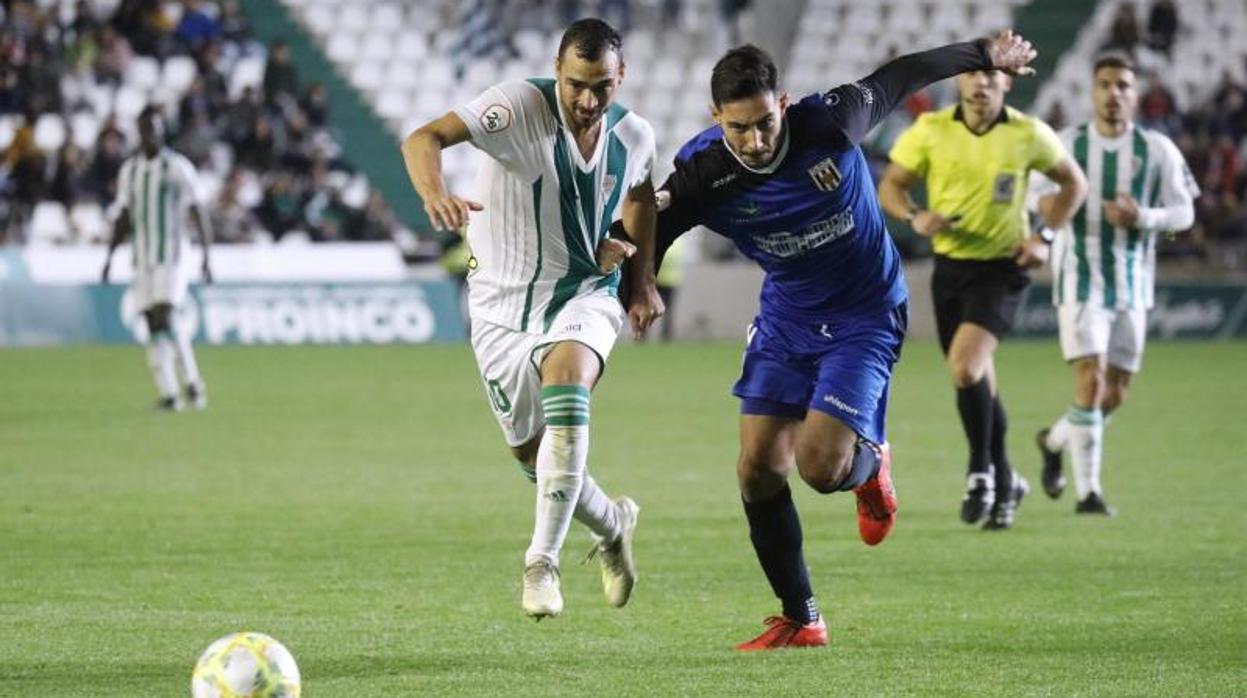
(745, 71)
(1113, 59)
(151, 111)
(591, 38)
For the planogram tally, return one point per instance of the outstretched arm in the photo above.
(861, 105)
(422, 154)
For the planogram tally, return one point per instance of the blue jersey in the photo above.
(811, 218)
(811, 221)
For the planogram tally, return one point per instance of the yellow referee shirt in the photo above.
(981, 178)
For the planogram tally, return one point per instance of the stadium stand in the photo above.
(74, 73)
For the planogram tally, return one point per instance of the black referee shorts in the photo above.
(987, 292)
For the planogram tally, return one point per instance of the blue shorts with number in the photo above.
(840, 367)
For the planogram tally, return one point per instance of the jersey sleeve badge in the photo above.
(495, 118)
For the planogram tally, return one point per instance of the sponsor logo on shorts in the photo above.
(840, 404)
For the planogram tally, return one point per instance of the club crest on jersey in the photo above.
(608, 185)
(496, 118)
(826, 175)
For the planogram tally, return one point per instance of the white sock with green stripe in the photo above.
(160, 353)
(1086, 440)
(560, 468)
(1058, 434)
(596, 511)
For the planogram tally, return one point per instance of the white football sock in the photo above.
(1058, 434)
(186, 359)
(561, 462)
(1086, 440)
(597, 511)
(160, 360)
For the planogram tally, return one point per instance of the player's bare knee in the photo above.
(1113, 398)
(1091, 386)
(159, 318)
(965, 373)
(824, 466)
(760, 475)
(527, 453)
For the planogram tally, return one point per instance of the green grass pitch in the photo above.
(357, 503)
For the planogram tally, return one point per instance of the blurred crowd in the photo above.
(270, 163)
(1212, 135)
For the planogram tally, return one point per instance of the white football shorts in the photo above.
(1088, 330)
(163, 284)
(510, 360)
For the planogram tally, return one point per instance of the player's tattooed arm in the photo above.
(422, 154)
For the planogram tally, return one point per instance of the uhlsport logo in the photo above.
(841, 404)
(826, 175)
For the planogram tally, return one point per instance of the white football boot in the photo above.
(618, 566)
(542, 597)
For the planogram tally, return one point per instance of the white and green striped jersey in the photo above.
(157, 192)
(1099, 263)
(546, 208)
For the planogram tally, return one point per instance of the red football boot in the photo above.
(782, 632)
(876, 502)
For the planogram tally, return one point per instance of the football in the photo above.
(246, 665)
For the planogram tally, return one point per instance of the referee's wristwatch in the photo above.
(1048, 235)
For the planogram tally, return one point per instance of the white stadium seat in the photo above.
(50, 132)
(177, 74)
(319, 18)
(393, 104)
(366, 76)
(248, 72)
(89, 221)
(411, 47)
(386, 17)
(377, 49)
(343, 47)
(143, 73)
(85, 126)
(8, 129)
(130, 101)
(49, 224)
(352, 17)
(402, 75)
